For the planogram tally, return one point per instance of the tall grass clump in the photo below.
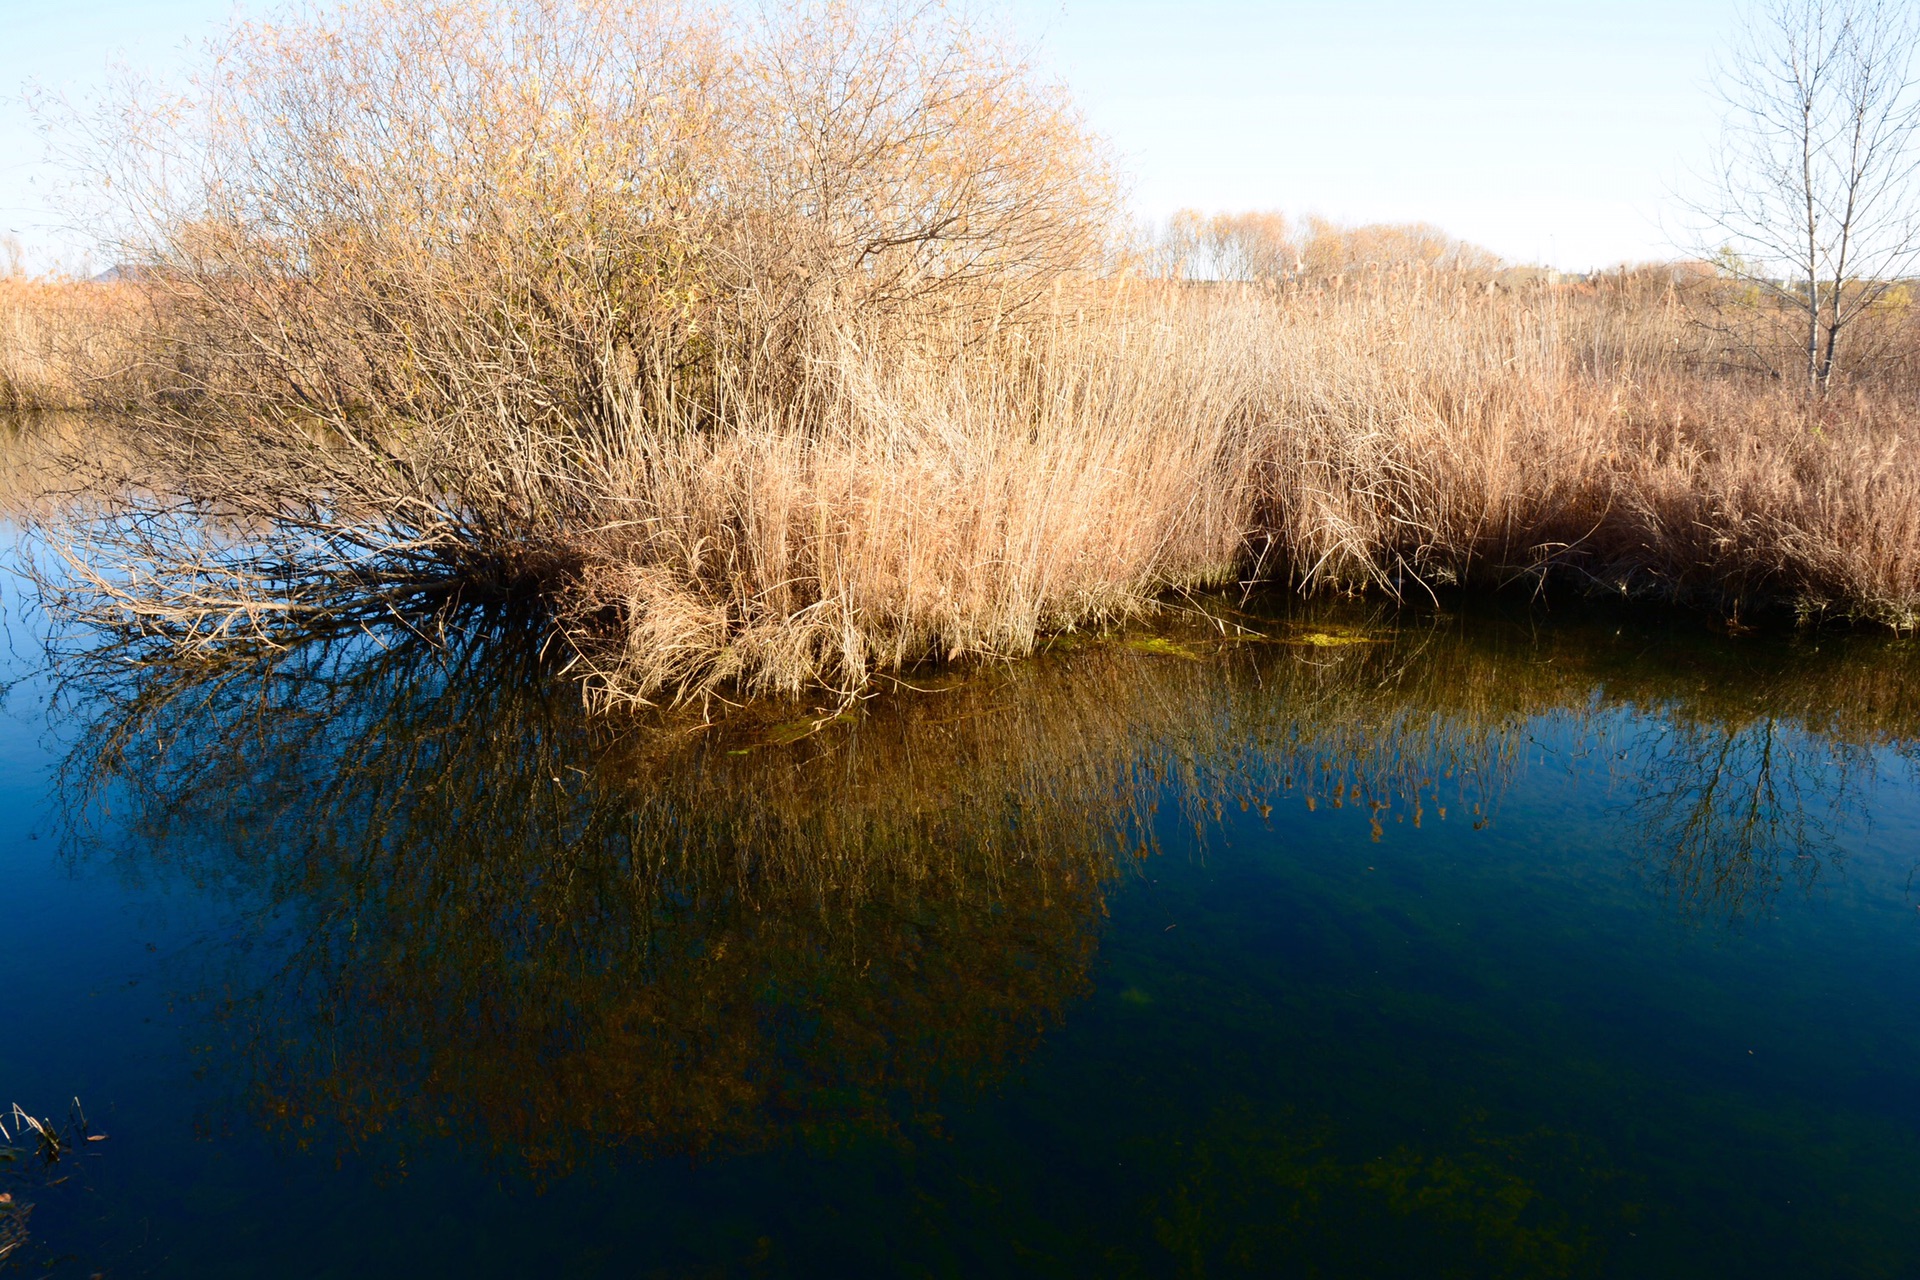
(634, 306)
(1430, 430)
(766, 350)
(63, 343)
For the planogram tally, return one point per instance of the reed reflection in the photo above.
(505, 923)
(500, 921)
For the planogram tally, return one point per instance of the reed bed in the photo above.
(62, 342)
(769, 356)
(1421, 434)
(949, 499)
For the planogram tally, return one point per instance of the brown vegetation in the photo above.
(62, 343)
(773, 355)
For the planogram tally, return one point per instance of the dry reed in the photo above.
(771, 356)
(62, 342)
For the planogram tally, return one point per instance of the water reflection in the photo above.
(1747, 761)
(502, 922)
(493, 918)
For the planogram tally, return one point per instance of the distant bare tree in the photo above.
(1240, 247)
(1247, 247)
(1815, 199)
(1329, 249)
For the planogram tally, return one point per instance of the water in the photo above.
(1499, 941)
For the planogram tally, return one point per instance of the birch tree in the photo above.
(1815, 199)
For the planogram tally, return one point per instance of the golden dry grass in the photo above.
(60, 341)
(1423, 433)
(1400, 436)
(770, 356)
(950, 498)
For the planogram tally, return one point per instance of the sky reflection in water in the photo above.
(1497, 943)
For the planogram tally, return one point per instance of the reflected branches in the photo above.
(504, 921)
(1733, 810)
(489, 917)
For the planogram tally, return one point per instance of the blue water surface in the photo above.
(1494, 940)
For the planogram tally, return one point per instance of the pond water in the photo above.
(1477, 941)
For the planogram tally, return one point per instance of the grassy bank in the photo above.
(948, 498)
(1411, 431)
(772, 356)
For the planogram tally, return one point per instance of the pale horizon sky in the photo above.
(1556, 133)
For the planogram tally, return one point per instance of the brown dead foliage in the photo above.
(769, 355)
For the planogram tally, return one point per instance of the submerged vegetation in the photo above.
(772, 353)
(36, 1153)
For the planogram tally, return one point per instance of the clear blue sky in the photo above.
(1548, 131)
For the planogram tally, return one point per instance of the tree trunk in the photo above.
(1813, 330)
(1833, 341)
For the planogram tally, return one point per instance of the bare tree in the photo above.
(1815, 199)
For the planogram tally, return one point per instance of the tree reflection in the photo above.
(1732, 810)
(503, 921)
(494, 918)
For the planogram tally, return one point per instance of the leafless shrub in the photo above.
(766, 356)
(442, 284)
